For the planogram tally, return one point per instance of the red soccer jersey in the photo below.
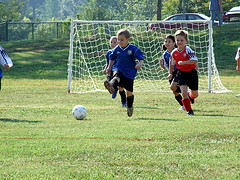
(186, 54)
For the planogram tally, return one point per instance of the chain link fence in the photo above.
(13, 31)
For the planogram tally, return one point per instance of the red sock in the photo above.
(190, 95)
(187, 104)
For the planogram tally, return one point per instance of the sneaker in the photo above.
(181, 108)
(114, 95)
(129, 111)
(192, 100)
(124, 104)
(190, 113)
(109, 87)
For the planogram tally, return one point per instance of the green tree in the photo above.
(11, 10)
(171, 7)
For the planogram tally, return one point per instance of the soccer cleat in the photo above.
(109, 87)
(191, 99)
(190, 113)
(124, 104)
(238, 95)
(181, 108)
(114, 95)
(129, 111)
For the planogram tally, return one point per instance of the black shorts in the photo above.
(188, 78)
(174, 74)
(124, 81)
(175, 79)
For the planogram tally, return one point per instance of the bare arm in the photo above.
(220, 5)
(109, 66)
(171, 66)
(6, 66)
(161, 63)
(187, 62)
(139, 65)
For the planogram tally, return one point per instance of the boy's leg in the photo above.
(193, 85)
(178, 98)
(186, 101)
(177, 94)
(123, 97)
(130, 100)
(112, 85)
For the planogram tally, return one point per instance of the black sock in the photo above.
(178, 90)
(123, 96)
(114, 82)
(179, 99)
(130, 100)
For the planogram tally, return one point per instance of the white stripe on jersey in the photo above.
(191, 53)
(4, 58)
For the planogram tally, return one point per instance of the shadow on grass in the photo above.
(217, 115)
(146, 107)
(18, 121)
(152, 119)
(212, 113)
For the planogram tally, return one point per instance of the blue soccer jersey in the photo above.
(126, 59)
(166, 55)
(114, 66)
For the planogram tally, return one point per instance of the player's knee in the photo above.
(194, 95)
(173, 88)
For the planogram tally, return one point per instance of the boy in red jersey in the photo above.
(187, 76)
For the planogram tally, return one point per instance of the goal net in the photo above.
(89, 43)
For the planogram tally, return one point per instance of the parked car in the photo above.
(186, 16)
(233, 15)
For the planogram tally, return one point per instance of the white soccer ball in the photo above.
(79, 112)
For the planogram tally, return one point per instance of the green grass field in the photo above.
(40, 139)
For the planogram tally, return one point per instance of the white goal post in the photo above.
(89, 43)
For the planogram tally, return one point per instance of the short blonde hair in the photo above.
(113, 37)
(182, 33)
(124, 32)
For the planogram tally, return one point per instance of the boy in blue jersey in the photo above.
(125, 54)
(113, 44)
(5, 61)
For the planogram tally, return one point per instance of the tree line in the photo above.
(64, 10)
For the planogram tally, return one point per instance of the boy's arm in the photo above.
(109, 68)
(139, 65)
(187, 62)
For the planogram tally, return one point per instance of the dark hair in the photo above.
(169, 37)
(124, 32)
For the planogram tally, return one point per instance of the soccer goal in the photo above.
(89, 43)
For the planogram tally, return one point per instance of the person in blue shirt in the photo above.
(125, 54)
(216, 10)
(5, 61)
(113, 44)
(168, 46)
